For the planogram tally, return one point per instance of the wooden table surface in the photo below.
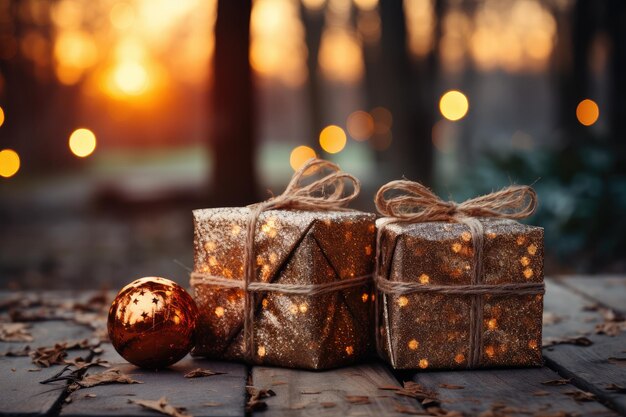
(590, 372)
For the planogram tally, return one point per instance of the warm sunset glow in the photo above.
(74, 52)
(332, 139)
(299, 156)
(9, 163)
(82, 142)
(131, 78)
(453, 105)
(366, 4)
(360, 125)
(341, 56)
(587, 112)
(122, 15)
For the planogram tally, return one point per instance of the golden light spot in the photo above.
(273, 257)
(122, 15)
(272, 233)
(1, 116)
(459, 358)
(521, 240)
(261, 351)
(365, 297)
(299, 156)
(453, 105)
(383, 120)
(82, 142)
(587, 112)
(264, 303)
(265, 271)
(219, 311)
(403, 301)
(9, 163)
(266, 228)
(466, 236)
(360, 125)
(259, 260)
(366, 4)
(210, 246)
(293, 309)
(349, 350)
(524, 261)
(413, 344)
(371, 228)
(491, 235)
(131, 78)
(373, 297)
(423, 363)
(424, 279)
(212, 260)
(492, 324)
(348, 235)
(456, 247)
(235, 230)
(532, 249)
(528, 272)
(368, 250)
(332, 139)
(490, 351)
(533, 344)
(303, 308)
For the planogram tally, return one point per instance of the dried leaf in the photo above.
(581, 396)
(328, 404)
(451, 386)
(276, 383)
(550, 318)
(48, 356)
(413, 390)
(255, 402)
(611, 328)
(617, 360)
(541, 393)
(161, 406)
(110, 376)
(580, 341)
(358, 399)
(199, 373)
(409, 410)
(617, 388)
(310, 392)
(15, 332)
(212, 404)
(90, 395)
(553, 382)
(591, 307)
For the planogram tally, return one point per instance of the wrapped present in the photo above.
(287, 282)
(459, 285)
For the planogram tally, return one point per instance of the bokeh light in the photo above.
(131, 78)
(360, 125)
(82, 142)
(382, 120)
(1, 116)
(366, 4)
(453, 105)
(300, 155)
(9, 163)
(333, 139)
(587, 112)
(122, 15)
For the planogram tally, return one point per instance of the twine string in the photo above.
(415, 203)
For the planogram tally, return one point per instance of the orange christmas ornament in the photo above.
(152, 322)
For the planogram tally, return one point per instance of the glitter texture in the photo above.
(431, 331)
(291, 247)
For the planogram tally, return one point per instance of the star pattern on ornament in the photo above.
(123, 309)
(135, 301)
(142, 292)
(144, 315)
(155, 300)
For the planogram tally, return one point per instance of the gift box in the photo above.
(436, 311)
(301, 251)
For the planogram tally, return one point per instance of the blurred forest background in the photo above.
(117, 117)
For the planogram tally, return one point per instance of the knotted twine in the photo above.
(414, 203)
(325, 193)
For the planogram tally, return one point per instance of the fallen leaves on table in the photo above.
(15, 332)
(162, 406)
(581, 396)
(541, 393)
(451, 386)
(358, 399)
(255, 402)
(413, 390)
(110, 376)
(46, 356)
(328, 404)
(554, 382)
(614, 322)
(550, 318)
(617, 360)
(617, 388)
(579, 341)
(199, 373)
(403, 409)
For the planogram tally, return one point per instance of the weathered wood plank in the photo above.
(331, 393)
(607, 290)
(588, 366)
(218, 395)
(20, 390)
(519, 390)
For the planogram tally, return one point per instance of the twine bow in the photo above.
(325, 193)
(412, 202)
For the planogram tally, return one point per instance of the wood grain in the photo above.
(329, 393)
(607, 290)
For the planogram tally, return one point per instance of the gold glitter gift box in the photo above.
(432, 313)
(291, 247)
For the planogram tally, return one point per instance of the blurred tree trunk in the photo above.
(313, 25)
(617, 94)
(232, 132)
(407, 97)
